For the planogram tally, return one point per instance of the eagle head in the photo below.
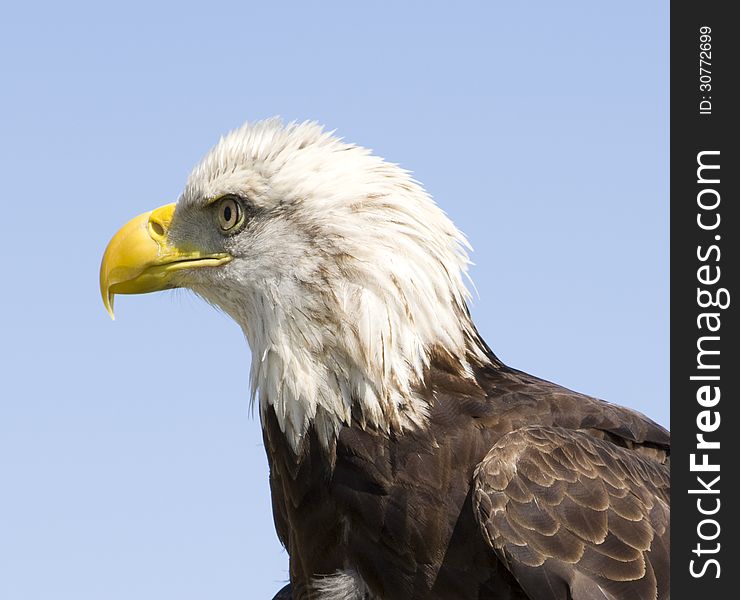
(345, 276)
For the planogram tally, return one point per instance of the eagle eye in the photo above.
(229, 213)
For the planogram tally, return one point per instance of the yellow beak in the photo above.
(139, 258)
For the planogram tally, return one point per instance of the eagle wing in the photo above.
(575, 517)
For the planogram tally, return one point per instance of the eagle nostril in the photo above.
(156, 229)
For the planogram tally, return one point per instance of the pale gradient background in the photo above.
(130, 467)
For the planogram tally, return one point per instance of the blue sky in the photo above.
(130, 466)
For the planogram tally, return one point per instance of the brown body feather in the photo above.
(518, 488)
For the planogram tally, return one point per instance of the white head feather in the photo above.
(346, 279)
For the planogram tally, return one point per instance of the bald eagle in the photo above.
(406, 460)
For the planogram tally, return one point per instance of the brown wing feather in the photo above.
(574, 516)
